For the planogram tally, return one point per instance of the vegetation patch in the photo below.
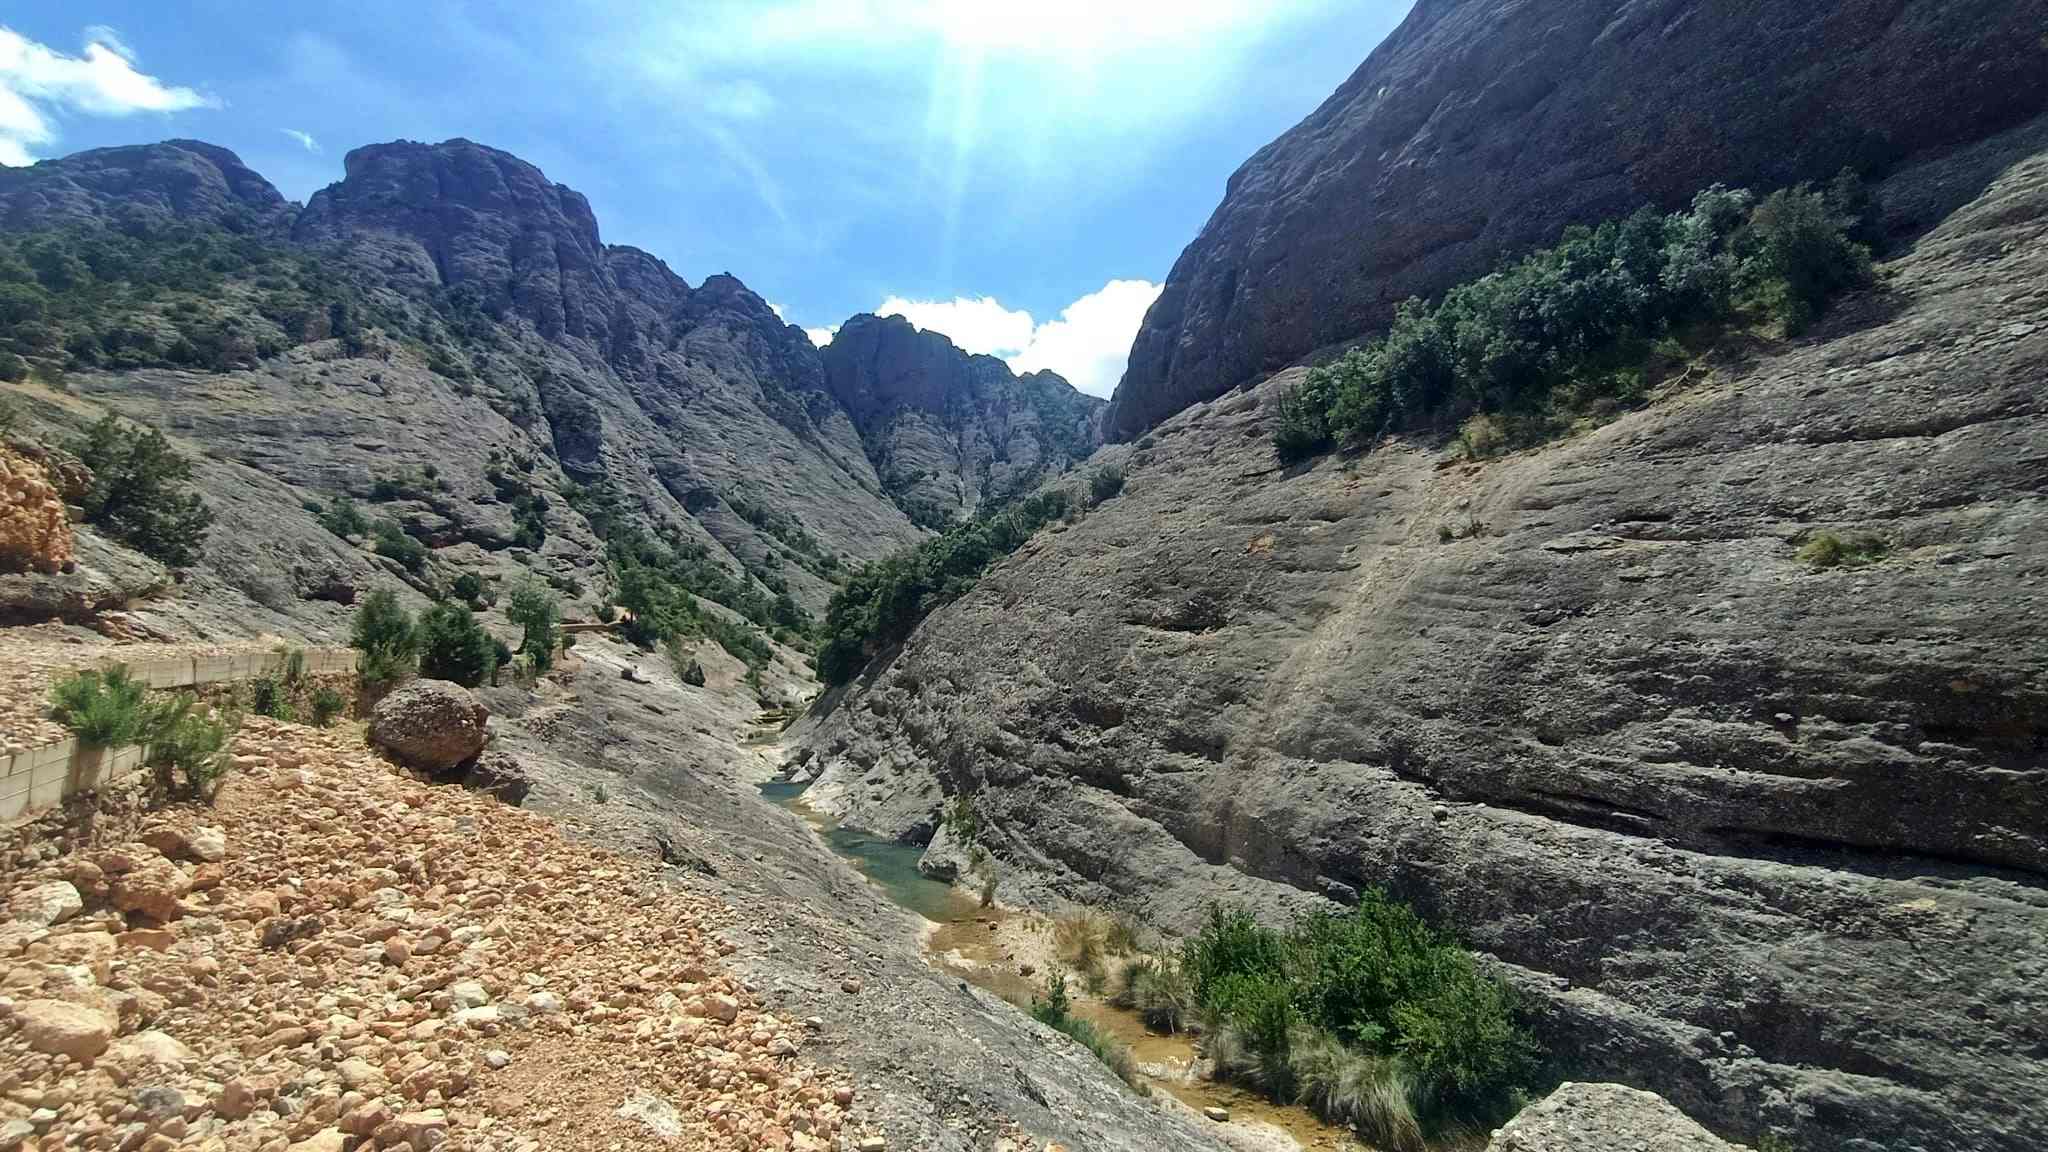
(141, 492)
(883, 601)
(1055, 1010)
(1579, 328)
(453, 646)
(389, 641)
(1827, 550)
(1373, 1018)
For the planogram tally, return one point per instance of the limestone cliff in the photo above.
(1768, 839)
(1480, 128)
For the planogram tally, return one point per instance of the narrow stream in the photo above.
(977, 943)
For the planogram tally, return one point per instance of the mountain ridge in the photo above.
(488, 288)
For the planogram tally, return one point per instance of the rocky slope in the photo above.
(948, 431)
(495, 350)
(1768, 839)
(1481, 127)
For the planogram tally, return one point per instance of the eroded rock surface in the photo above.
(1603, 1118)
(1767, 839)
(1480, 128)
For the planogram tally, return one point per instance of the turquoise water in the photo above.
(890, 865)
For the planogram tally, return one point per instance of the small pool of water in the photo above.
(891, 865)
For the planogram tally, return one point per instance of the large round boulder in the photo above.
(430, 725)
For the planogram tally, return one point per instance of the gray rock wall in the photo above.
(1768, 840)
(1480, 128)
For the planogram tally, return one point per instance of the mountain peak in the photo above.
(181, 179)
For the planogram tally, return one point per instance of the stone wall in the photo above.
(42, 777)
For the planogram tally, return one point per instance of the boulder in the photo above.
(59, 1028)
(46, 904)
(430, 725)
(1604, 1118)
(151, 889)
(500, 775)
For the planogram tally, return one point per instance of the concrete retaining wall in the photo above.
(42, 777)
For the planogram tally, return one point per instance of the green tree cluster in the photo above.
(1573, 325)
(882, 602)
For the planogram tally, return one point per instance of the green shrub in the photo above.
(393, 542)
(269, 698)
(606, 613)
(1376, 979)
(1105, 483)
(343, 518)
(1301, 427)
(535, 610)
(468, 588)
(1159, 992)
(182, 742)
(1055, 1010)
(1798, 254)
(453, 646)
(384, 632)
(139, 492)
(1827, 550)
(100, 708)
(328, 704)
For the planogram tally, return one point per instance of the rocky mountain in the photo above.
(949, 432)
(185, 179)
(1764, 836)
(1480, 128)
(463, 349)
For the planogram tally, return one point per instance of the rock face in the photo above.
(1767, 839)
(948, 431)
(185, 179)
(1603, 1118)
(1480, 128)
(430, 725)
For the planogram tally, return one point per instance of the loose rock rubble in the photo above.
(339, 957)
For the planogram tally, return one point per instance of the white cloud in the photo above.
(980, 325)
(1091, 341)
(1088, 344)
(305, 139)
(822, 336)
(37, 82)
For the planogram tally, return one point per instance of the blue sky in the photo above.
(1017, 175)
